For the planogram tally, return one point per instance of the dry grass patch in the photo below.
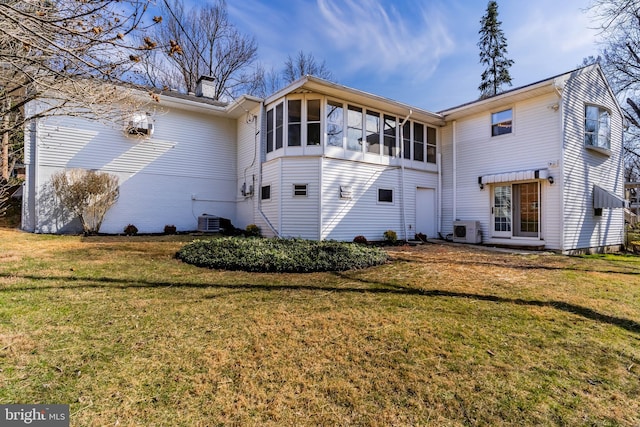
(442, 335)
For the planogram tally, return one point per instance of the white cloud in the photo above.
(379, 40)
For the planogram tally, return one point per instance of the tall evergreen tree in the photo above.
(493, 51)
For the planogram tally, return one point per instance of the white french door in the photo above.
(515, 210)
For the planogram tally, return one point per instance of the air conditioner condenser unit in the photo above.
(208, 224)
(467, 232)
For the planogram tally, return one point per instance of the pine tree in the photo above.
(493, 51)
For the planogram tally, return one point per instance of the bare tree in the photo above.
(619, 21)
(88, 194)
(209, 45)
(72, 56)
(303, 65)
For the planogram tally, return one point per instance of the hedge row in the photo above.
(280, 255)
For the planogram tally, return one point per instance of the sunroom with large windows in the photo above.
(311, 124)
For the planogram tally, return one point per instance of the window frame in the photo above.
(495, 123)
(596, 133)
(330, 106)
(308, 124)
(294, 128)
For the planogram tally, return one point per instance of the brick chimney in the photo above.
(206, 87)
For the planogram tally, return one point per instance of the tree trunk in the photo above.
(5, 148)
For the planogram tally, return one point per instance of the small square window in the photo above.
(385, 195)
(299, 189)
(265, 193)
(501, 122)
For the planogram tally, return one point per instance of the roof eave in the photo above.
(325, 87)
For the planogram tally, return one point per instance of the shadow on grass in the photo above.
(376, 288)
(514, 266)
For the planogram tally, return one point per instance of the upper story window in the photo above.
(417, 141)
(354, 128)
(313, 122)
(294, 116)
(432, 146)
(597, 127)
(389, 146)
(275, 123)
(140, 124)
(372, 130)
(335, 123)
(502, 122)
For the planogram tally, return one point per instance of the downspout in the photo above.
(402, 202)
(255, 191)
(559, 91)
(439, 223)
(455, 172)
(320, 194)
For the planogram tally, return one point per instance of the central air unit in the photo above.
(209, 223)
(467, 232)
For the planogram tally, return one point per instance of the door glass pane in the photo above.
(502, 208)
(527, 209)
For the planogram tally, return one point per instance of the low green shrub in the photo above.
(390, 236)
(253, 230)
(280, 255)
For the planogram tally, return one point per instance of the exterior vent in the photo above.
(467, 232)
(208, 223)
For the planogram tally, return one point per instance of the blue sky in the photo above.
(423, 53)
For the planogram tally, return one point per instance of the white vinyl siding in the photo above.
(188, 166)
(536, 144)
(300, 214)
(584, 168)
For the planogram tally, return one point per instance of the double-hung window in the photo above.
(502, 122)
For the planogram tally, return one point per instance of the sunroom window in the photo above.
(313, 122)
(335, 123)
(294, 116)
(275, 123)
(389, 148)
(354, 128)
(373, 132)
(597, 128)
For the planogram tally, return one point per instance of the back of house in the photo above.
(537, 166)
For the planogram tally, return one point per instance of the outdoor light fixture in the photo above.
(550, 179)
(480, 183)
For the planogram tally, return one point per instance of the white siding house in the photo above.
(537, 166)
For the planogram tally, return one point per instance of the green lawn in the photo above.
(441, 335)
